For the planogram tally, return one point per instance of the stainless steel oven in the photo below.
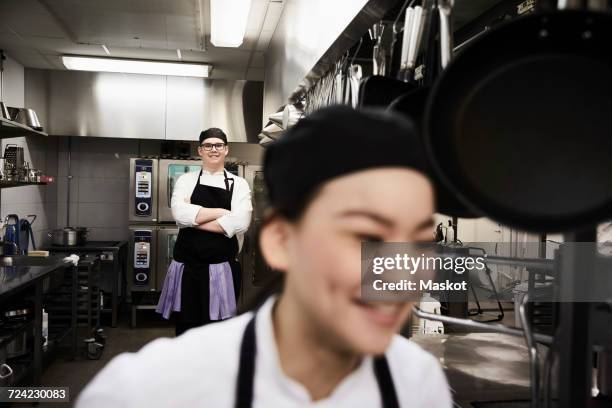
(142, 267)
(166, 238)
(255, 273)
(150, 253)
(143, 190)
(252, 262)
(152, 230)
(169, 171)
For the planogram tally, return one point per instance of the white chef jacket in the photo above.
(234, 223)
(200, 368)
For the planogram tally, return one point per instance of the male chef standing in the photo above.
(213, 209)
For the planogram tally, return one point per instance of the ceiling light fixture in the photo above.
(178, 53)
(228, 21)
(129, 66)
(105, 49)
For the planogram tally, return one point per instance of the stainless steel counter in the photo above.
(17, 271)
(36, 275)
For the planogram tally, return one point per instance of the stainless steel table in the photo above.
(117, 250)
(36, 275)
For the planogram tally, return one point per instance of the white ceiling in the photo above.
(37, 32)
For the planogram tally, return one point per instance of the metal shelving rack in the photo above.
(9, 128)
(7, 184)
(63, 298)
(28, 368)
(87, 297)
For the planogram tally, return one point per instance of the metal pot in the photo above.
(64, 236)
(20, 314)
(82, 235)
(28, 117)
(6, 373)
(18, 346)
(4, 111)
(13, 113)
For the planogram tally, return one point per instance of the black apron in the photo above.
(197, 249)
(246, 373)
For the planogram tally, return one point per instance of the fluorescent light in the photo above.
(105, 49)
(135, 66)
(228, 21)
(178, 54)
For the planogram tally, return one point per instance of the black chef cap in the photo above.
(213, 132)
(333, 142)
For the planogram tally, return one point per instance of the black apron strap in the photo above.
(246, 368)
(246, 373)
(385, 382)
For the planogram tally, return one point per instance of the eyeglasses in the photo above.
(209, 146)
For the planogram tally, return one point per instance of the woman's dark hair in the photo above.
(292, 212)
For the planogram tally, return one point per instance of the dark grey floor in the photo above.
(479, 366)
(75, 374)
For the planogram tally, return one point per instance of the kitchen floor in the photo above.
(75, 374)
(481, 367)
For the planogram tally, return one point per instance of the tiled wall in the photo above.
(99, 184)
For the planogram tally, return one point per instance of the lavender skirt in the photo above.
(170, 298)
(222, 304)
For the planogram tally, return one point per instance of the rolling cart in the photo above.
(88, 304)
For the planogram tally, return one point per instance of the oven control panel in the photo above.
(142, 256)
(144, 187)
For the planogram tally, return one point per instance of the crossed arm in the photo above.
(206, 219)
(218, 220)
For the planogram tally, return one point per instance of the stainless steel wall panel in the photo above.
(195, 104)
(76, 103)
(107, 104)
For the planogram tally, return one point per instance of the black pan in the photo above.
(412, 105)
(520, 123)
(379, 91)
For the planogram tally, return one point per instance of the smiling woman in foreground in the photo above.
(336, 179)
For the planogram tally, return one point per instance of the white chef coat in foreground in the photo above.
(200, 367)
(234, 223)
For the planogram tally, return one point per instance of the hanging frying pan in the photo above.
(412, 104)
(378, 90)
(519, 123)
